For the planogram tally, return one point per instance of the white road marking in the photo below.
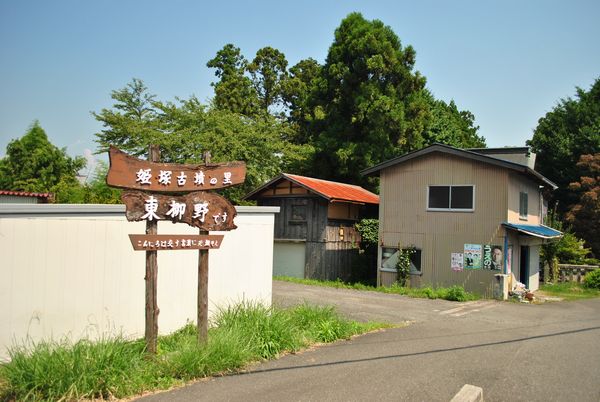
(485, 307)
(475, 306)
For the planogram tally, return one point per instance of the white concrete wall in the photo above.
(71, 270)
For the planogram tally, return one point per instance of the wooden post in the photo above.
(151, 275)
(202, 321)
(203, 294)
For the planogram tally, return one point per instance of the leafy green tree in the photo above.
(563, 135)
(186, 129)
(131, 123)
(269, 72)
(584, 215)
(372, 101)
(94, 192)
(571, 250)
(33, 163)
(234, 91)
(451, 126)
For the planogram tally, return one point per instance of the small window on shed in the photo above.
(298, 213)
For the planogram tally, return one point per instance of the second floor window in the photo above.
(523, 205)
(451, 198)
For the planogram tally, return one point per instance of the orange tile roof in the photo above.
(335, 191)
(25, 194)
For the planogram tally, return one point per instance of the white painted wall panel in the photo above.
(76, 275)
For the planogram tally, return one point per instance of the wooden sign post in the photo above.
(151, 278)
(202, 301)
(150, 185)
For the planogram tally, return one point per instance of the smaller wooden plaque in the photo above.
(175, 242)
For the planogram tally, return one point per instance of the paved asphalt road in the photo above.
(515, 352)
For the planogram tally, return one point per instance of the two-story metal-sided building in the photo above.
(468, 215)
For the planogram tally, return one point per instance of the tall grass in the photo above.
(569, 291)
(117, 368)
(453, 293)
(67, 371)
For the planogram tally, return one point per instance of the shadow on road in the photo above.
(427, 352)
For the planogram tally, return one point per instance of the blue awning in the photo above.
(541, 231)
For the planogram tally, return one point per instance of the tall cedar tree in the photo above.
(372, 102)
(269, 72)
(234, 91)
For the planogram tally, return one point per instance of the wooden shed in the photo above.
(314, 232)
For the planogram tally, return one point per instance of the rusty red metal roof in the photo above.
(335, 191)
(25, 194)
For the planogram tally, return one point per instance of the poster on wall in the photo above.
(472, 256)
(492, 257)
(508, 260)
(456, 262)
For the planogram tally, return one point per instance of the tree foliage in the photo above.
(451, 126)
(372, 101)
(234, 91)
(131, 120)
(32, 163)
(299, 98)
(568, 249)
(186, 129)
(584, 215)
(269, 73)
(563, 135)
(366, 104)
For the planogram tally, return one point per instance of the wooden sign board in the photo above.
(175, 242)
(204, 210)
(132, 173)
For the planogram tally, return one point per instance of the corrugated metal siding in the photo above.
(407, 221)
(517, 184)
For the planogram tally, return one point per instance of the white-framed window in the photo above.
(523, 205)
(389, 259)
(459, 198)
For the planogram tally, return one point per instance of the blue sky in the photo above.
(508, 62)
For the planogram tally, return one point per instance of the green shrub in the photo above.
(458, 293)
(592, 279)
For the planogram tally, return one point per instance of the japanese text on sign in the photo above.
(145, 177)
(131, 173)
(204, 210)
(175, 242)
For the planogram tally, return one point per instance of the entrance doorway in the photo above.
(524, 266)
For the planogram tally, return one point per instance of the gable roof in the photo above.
(330, 190)
(462, 153)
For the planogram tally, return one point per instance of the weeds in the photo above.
(454, 293)
(118, 368)
(569, 291)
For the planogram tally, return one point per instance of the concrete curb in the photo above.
(469, 393)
